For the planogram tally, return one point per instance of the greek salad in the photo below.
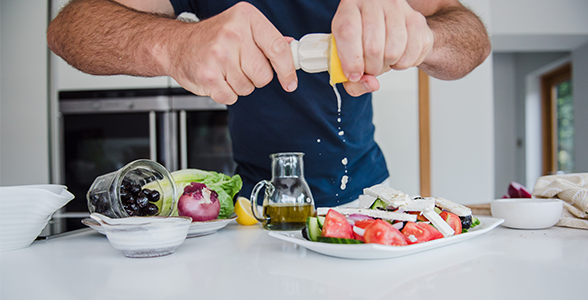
(389, 217)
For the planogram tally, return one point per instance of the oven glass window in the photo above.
(208, 141)
(96, 144)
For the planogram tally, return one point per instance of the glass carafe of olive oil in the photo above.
(287, 200)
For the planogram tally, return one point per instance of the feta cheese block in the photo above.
(419, 205)
(453, 207)
(387, 194)
(366, 201)
(439, 223)
(387, 215)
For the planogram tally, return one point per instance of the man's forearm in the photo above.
(105, 38)
(461, 43)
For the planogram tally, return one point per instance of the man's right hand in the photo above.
(222, 57)
(229, 55)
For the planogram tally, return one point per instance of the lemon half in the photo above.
(335, 71)
(243, 211)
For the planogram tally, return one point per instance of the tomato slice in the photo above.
(364, 223)
(361, 224)
(415, 229)
(336, 226)
(435, 234)
(382, 232)
(422, 232)
(453, 220)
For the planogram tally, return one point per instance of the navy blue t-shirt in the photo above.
(270, 120)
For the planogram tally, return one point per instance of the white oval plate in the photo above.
(196, 228)
(376, 251)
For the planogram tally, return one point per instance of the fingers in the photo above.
(366, 84)
(418, 43)
(276, 48)
(255, 66)
(374, 37)
(347, 29)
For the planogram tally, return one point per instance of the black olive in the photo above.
(154, 196)
(124, 194)
(135, 189)
(304, 234)
(151, 209)
(130, 212)
(466, 222)
(130, 199)
(142, 200)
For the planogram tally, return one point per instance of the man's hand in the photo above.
(441, 37)
(375, 36)
(229, 55)
(221, 57)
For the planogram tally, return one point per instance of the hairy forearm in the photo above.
(461, 43)
(102, 37)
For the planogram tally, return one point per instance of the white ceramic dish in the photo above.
(209, 227)
(25, 211)
(376, 251)
(196, 228)
(142, 237)
(527, 213)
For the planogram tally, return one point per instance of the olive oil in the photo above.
(286, 216)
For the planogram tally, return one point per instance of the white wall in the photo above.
(397, 128)
(462, 137)
(539, 25)
(462, 131)
(24, 142)
(506, 115)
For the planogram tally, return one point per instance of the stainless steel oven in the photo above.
(103, 130)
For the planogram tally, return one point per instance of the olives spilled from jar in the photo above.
(137, 201)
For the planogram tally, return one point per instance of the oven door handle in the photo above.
(153, 135)
(183, 140)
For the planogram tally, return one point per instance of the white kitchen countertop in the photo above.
(244, 262)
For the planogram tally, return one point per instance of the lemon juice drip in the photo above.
(344, 178)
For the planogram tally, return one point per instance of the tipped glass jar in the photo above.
(141, 188)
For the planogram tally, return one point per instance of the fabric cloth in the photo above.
(341, 156)
(572, 189)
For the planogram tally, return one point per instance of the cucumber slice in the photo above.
(312, 228)
(321, 221)
(378, 203)
(333, 240)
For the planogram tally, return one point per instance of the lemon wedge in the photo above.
(335, 71)
(243, 211)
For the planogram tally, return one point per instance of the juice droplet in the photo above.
(344, 180)
(339, 120)
(341, 132)
(344, 161)
(338, 97)
(318, 140)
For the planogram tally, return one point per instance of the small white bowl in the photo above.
(142, 237)
(25, 211)
(527, 213)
